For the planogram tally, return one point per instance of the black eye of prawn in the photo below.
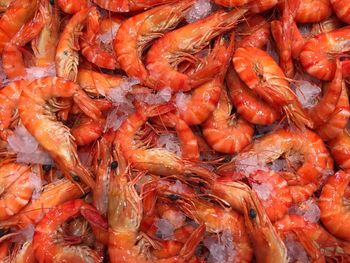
(252, 213)
(52, 2)
(173, 197)
(114, 165)
(46, 167)
(76, 178)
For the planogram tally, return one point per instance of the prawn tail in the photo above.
(87, 105)
(157, 110)
(297, 116)
(193, 241)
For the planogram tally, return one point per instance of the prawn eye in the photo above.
(252, 213)
(227, 159)
(173, 197)
(114, 165)
(46, 167)
(52, 2)
(76, 178)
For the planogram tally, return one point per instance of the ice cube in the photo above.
(200, 9)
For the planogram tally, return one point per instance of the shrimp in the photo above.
(12, 50)
(263, 75)
(103, 166)
(16, 15)
(9, 97)
(124, 218)
(279, 198)
(218, 220)
(339, 119)
(48, 240)
(156, 160)
(231, 3)
(67, 56)
(312, 11)
(72, 6)
(136, 33)
(39, 119)
(52, 194)
(306, 146)
(96, 83)
(342, 9)
(267, 245)
(224, 132)
(340, 149)
(16, 189)
(247, 104)
(322, 112)
(315, 240)
(44, 45)
(259, 6)
(179, 45)
(334, 207)
(92, 50)
(318, 54)
(255, 32)
(127, 6)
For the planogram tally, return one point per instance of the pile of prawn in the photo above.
(174, 131)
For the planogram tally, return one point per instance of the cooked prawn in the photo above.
(39, 119)
(48, 242)
(263, 75)
(342, 9)
(137, 32)
(340, 149)
(127, 6)
(179, 45)
(334, 205)
(311, 11)
(225, 132)
(72, 6)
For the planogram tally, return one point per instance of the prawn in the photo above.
(48, 242)
(72, 6)
(340, 149)
(124, 217)
(247, 103)
(339, 119)
(224, 132)
(127, 6)
(87, 130)
(179, 45)
(219, 221)
(39, 119)
(312, 11)
(52, 195)
(263, 75)
(156, 160)
(9, 97)
(136, 33)
(67, 56)
(318, 54)
(16, 15)
(92, 50)
(16, 189)
(334, 205)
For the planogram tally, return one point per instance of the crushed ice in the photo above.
(262, 190)
(222, 249)
(170, 142)
(200, 9)
(308, 209)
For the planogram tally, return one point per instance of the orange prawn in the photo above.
(225, 132)
(46, 234)
(333, 203)
(40, 120)
(263, 75)
(311, 11)
(247, 103)
(318, 54)
(137, 32)
(127, 6)
(342, 9)
(72, 6)
(67, 56)
(340, 149)
(177, 46)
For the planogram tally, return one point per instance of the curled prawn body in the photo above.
(225, 133)
(334, 205)
(40, 120)
(127, 5)
(340, 149)
(48, 242)
(342, 9)
(137, 32)
(247, 103)
(311, 11)
(179, 45)
(72, 6)
(16, 190)
(318, 53)
(263, 75)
